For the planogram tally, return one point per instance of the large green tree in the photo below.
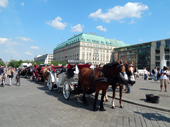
(12, 63)
(2, 63)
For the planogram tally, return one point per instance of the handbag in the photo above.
(9, 73)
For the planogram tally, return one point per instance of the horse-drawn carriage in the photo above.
(77, 79)
(38, 72)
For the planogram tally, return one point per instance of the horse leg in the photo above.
(105, 98)
(101, 102)
(95, 100)
(114, 94)
(120, 94)
(84, 98)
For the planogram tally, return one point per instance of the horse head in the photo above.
(116, 70)
(130, 72)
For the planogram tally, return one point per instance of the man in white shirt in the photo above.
(163, 78)
(145, 74)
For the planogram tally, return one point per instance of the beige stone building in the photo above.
(87, 47)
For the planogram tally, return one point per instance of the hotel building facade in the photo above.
(88, 47)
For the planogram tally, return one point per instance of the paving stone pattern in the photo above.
(141, 88)
(33, 105)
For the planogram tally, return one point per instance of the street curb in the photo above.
(144, 105)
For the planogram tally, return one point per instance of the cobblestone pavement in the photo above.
(141, 88)
(32, 105)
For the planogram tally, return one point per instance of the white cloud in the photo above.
(132, 10)
(121, 21)
(168, 32)
(3, 3)
(140, 40)
(56, 24)
(12, 43)
(132, 21)
(77, 28)
(34, 47)
(4, 40)
(11, 52)
(101, 28)
(24, 39)
(150, 13)
(22, 4)
(28, 53)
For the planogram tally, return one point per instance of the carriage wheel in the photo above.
(50, 84)
(66, 90)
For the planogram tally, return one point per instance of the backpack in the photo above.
(153, 72)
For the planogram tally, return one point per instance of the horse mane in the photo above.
(108, 65)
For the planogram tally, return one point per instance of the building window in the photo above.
(157, 64)
(83, 57)
(166, 57)
(167, 43)
(88, 40)
(158, 44)
(83, 48)
(157, 57)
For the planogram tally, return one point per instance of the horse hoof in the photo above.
(95, 109)
(113, 107)
(102, 109)
(121, 106)
(107, 100)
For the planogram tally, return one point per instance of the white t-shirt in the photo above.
(156, 71)
(145, 71)
(163, 76)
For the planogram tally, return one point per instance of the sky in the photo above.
(35, 27)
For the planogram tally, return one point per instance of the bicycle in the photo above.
(3, 80)
(17, 79)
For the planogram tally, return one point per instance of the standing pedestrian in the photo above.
(1, 72)
(145, 73)
(163, 78)
(155, 74)
(11, 73)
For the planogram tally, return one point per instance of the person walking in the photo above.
(163, 78)
(155, 74)
(1, 72)
(145, 73)
(10, 74)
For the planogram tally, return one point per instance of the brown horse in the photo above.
(45, 74)
(93, 81)
(130, 72)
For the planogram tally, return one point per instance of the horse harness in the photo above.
(127, 71)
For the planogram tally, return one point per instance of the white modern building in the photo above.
(46, 58)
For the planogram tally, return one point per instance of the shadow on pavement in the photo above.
(154, 116)
(75, 100)
(148, 89)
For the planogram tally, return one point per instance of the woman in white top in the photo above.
(163, 78)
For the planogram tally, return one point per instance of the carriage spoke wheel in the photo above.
(50, 84)
(66, 90)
